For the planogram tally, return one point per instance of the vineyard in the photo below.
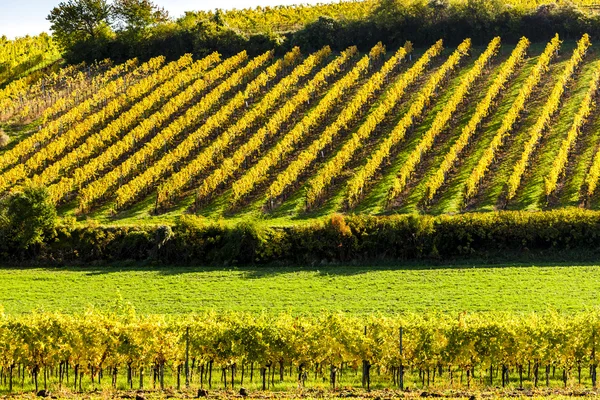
(211, 351)
(433, 130)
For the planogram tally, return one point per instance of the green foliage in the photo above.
(135, 17)
(243, 243)
(324, 31)
(28, 218)
(76, 21)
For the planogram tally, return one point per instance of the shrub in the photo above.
(28, 218)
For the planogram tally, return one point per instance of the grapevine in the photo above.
(100, 187)
(274, 125)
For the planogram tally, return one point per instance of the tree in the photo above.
(76, 21)
(28, 217)
(135, 17)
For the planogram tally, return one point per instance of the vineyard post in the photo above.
(187, 357)
(401, 360)
(593, 374)
(75, 375)
(366, 379)
(202, 376)
(232, 375)
(332, 375)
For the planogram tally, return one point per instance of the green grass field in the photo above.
(309, 290)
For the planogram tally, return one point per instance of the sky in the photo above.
(28, 17)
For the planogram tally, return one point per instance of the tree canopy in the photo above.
(77, 21)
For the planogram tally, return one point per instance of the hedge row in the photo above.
(338, 238)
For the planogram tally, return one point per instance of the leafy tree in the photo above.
(135, 17)
(28, 217)
(76, 21)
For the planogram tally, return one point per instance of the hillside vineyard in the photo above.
(434, 130)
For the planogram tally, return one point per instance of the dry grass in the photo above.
(4, 138)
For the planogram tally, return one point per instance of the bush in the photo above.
(28, 218)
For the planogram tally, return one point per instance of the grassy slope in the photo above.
(309, 290)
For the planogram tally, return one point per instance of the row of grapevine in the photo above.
(501, 348)
(257, 173)
(54, 128)
(98, 188)
(276, 122)
(135, 115)
(173, 186)
(364, 174)
(511, 117)
(549, 109)
(441, 121)
(483, 109)
(586, 107)
(158, 82)
(350, 112)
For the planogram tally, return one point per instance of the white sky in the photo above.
(28, 17)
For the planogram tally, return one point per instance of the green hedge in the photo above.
(337, 238)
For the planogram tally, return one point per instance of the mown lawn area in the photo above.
(304, 290)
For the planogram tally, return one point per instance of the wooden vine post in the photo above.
(593, 366)
(401, 380)
(366, 378)
(187, 357)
